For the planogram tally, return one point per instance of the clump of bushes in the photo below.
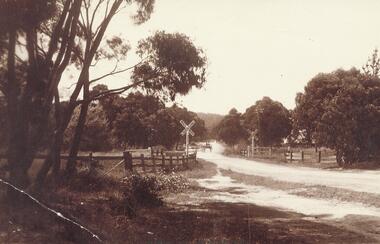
(142, 190)
(147, 190)
(172, 182)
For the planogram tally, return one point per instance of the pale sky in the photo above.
(259, 48)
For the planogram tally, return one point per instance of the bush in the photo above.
(142, 190)
(145, 190)
(172, 182)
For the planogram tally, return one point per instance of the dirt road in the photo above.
(356, 180)
(350, 198)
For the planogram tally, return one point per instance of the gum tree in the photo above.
(48, 32)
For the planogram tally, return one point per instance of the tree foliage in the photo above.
(372, 67)
(172, 64)
(230, 130)
(269, 120)
(140, 120)
(341, 110)
(96, 135)
(57, 34)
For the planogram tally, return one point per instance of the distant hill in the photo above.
(211, 120)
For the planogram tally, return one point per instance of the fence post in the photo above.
(270, 152)
(177, 160)
(183, 161)
(171, 161)
(291, 156)
(319, 156)
(163, 160)
(248, 151)
(128, 166)
(302, 156)
(90, 160)
(91, 163)
(154, 163)
(143, 162)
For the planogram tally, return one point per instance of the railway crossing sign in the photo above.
(186, 133)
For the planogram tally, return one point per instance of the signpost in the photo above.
(253, 143)
(186, 133)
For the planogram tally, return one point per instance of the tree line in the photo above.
(40, 40)
(338, 110)
(137, 120)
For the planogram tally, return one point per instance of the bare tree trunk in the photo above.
(17, 135)
(59, 137)
(71, 163)
(24, 110)
(74, 149)
(53, 158)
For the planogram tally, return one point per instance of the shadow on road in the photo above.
(235, 222)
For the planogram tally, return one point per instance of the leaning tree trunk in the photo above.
(71, 163)
(53, 159)
(74, 149)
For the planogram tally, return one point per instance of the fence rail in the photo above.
(131, 161)
(292, 155)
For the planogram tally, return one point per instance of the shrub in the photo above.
(172, 182)
(145, 190)
(142, 190)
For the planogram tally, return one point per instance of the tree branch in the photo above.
(58, 30)
(115, 91)
(114, 72)
(94, 13)
(67, 54)
(94, 47)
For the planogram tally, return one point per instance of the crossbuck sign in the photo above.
(186, 133)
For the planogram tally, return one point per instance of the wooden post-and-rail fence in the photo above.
(152, 161)
(157, 161)
(292, 155)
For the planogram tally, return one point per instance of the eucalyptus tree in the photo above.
(270, 120)
(340, 110)
(49, 32)
(230, 129)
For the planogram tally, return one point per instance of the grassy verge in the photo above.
(104, 204)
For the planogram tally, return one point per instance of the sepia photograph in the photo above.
(189, 121)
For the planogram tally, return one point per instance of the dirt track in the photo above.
(329, 197)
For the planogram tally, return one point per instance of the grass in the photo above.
(98, 201)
